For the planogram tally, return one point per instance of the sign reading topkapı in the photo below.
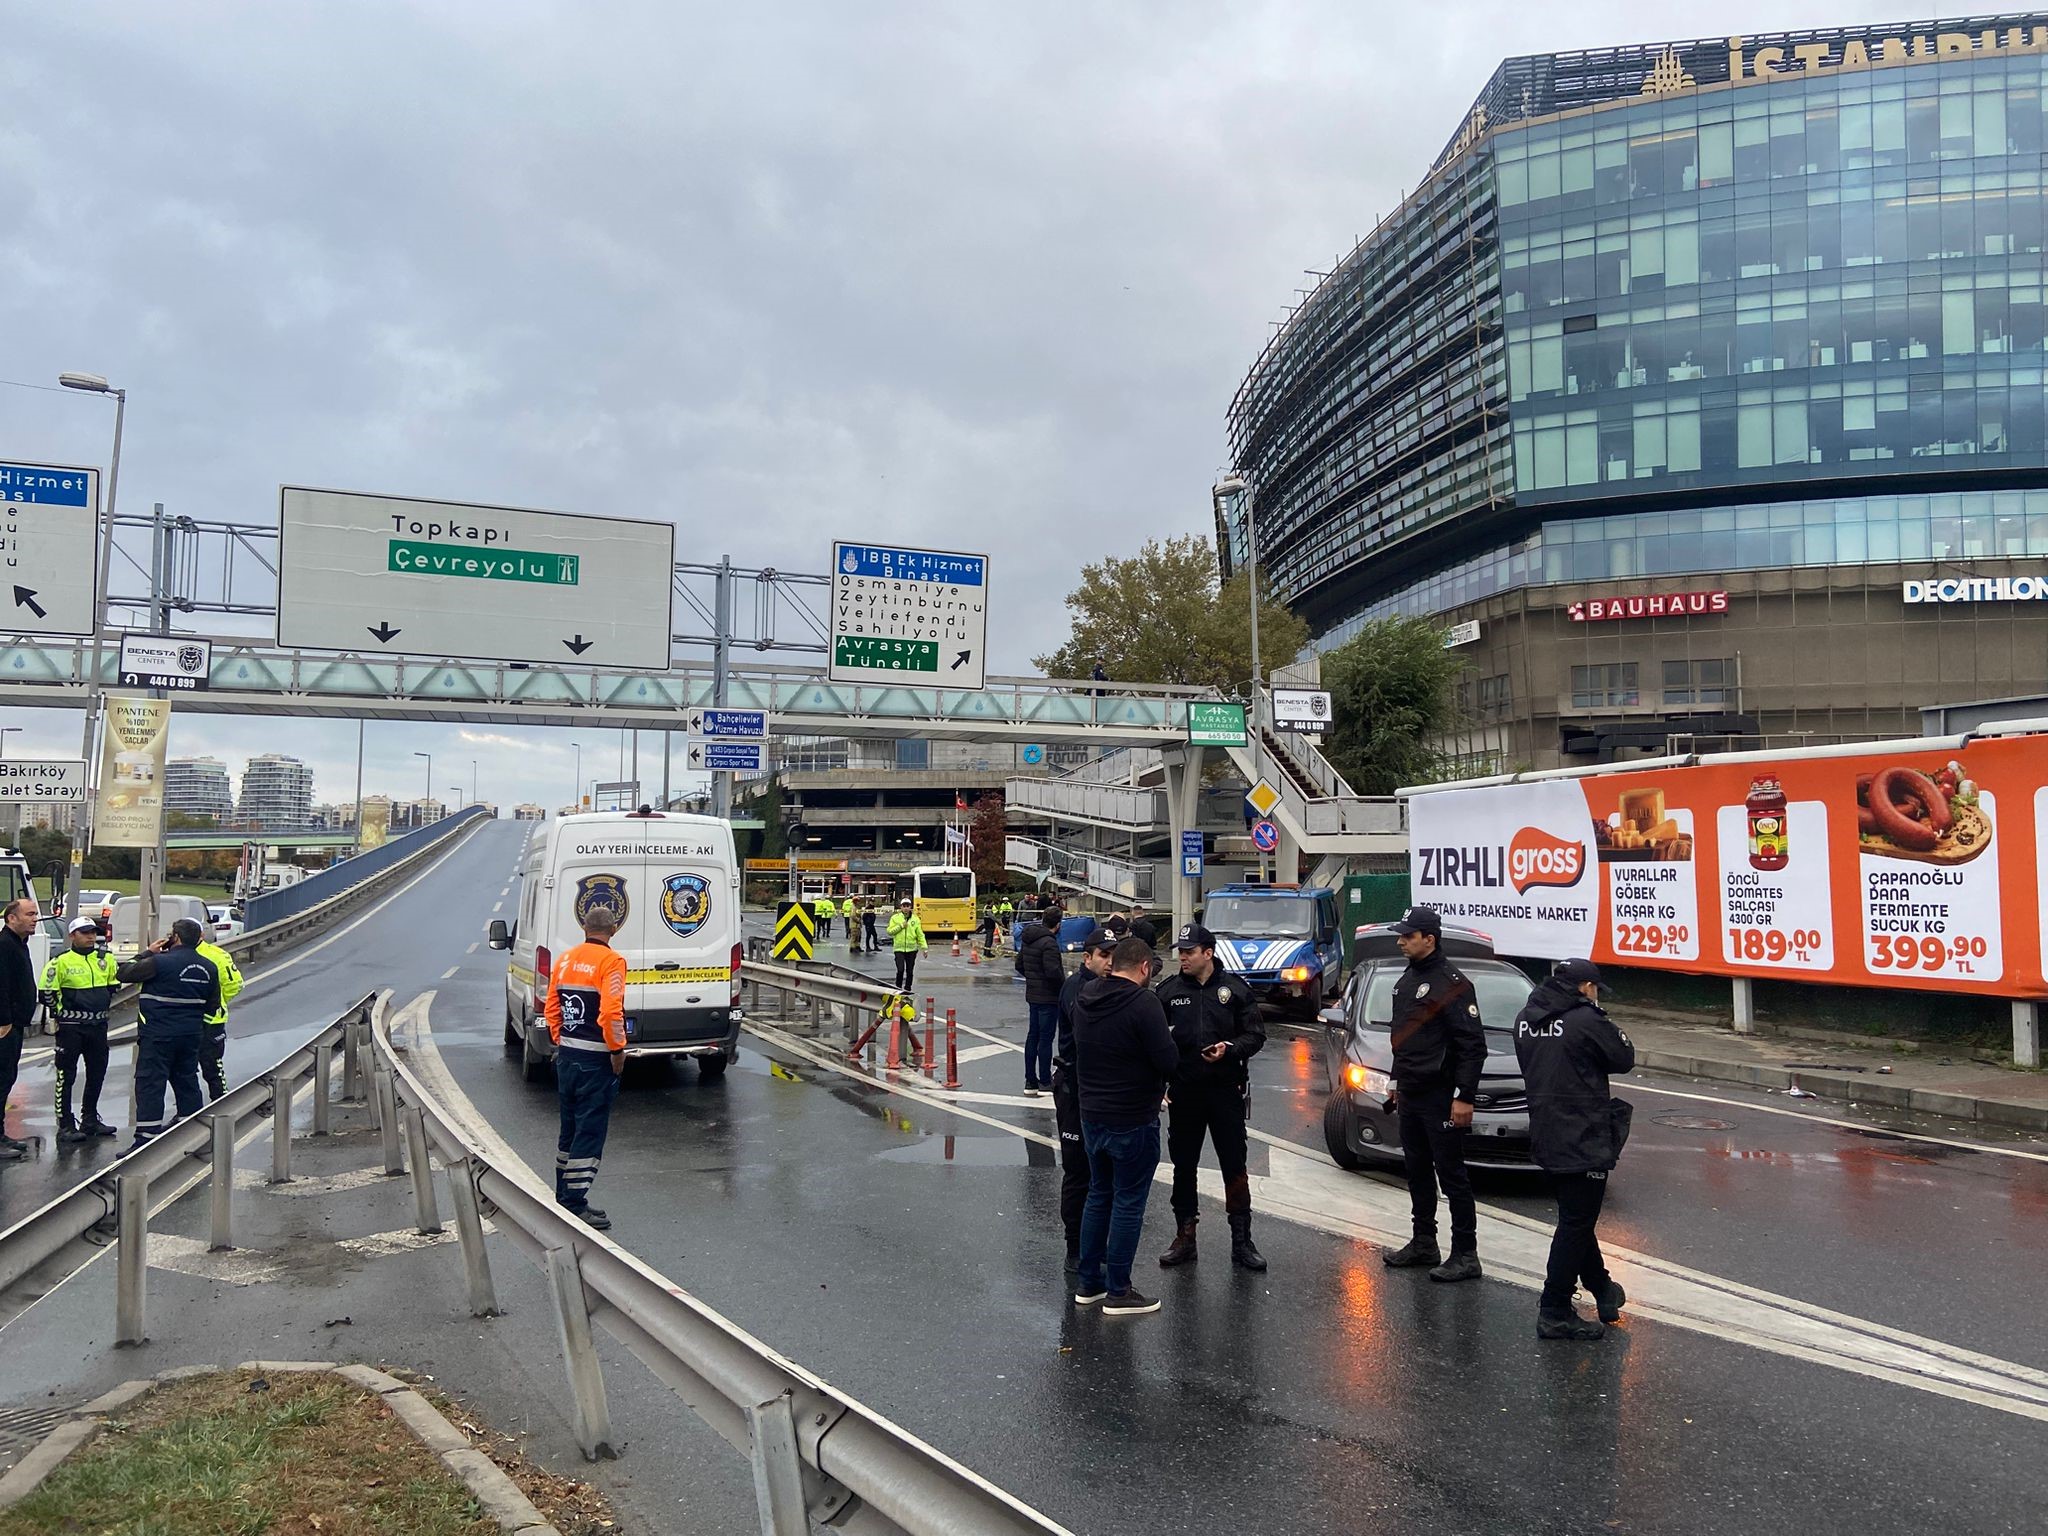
(357, 572)
(908, 616)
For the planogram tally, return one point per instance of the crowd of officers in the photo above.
(1124, 1047)
(186, 983)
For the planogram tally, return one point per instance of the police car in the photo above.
(1358, 1048)
(1284, 940)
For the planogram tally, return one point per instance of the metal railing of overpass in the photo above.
(258, 679)
(276, 906)
(1098, 874)
(304, 837)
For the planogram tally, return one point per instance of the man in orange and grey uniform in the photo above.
(587, 1017)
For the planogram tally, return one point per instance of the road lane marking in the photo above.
(498, 908)
(449, 974)
(1848, 1125)
(471, 950)
(982, 1052)
(1305, 1187)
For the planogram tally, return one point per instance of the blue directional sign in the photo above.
(714, 756)
(737, 724)
(1191, 845)
(1265, 836)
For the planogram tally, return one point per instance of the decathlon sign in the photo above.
(1979, 589)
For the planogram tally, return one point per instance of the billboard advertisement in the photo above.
(1905, 864)
(130, 812)
(376, 827)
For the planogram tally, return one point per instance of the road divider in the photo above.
(820, 1457)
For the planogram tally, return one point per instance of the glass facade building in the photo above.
(1702, 307)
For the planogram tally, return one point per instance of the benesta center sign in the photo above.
(1978, 589)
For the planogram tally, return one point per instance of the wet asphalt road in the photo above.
(912, 1256)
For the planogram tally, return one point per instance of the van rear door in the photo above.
(680, 981)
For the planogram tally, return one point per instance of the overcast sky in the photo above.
(980, 276)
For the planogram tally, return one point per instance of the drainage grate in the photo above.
(21, 1428)
(1693, 1123)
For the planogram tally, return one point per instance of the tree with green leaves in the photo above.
(1393, 688)
(987, 831)
(1163, 615)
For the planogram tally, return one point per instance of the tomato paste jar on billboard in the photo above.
(1766, 810)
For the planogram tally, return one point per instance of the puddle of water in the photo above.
(1694, 1123)
(971, 1151)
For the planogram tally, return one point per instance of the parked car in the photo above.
(225, 924)
(1358, 1127)
(99, 905)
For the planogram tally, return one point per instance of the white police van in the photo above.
(675, 883)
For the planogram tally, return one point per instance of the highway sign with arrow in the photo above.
(908, 616)
(52, 523)
(358, 571)
(729, 723)
(725, 755)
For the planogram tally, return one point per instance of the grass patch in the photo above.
(205, 890)
(236, 1454)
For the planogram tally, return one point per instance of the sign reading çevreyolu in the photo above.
(1908, 864)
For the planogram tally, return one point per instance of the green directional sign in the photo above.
(484, 564)
(1216, 725)
(876, 655)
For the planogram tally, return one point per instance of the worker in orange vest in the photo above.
(587, 1019)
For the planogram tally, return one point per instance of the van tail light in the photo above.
(738, 954)
(542, 963)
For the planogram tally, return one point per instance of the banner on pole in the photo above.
(130, 810)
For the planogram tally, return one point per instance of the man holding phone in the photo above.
(180, 991)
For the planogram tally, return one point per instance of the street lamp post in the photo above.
(1234, 484)
(14, 807)
(430, 786)
(456, 791)
(576, 794)
(472, 781)
(95, 695)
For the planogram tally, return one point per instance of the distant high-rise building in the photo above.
(277, 791)
(198, 786)
(416, 813)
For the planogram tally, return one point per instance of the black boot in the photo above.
(1073, 1260)
(1420, 1253)
(69, 1133)
(1568, 1326)
(1243, 1252)
(1611, 1298)
(1182, 1249)
(1463, 1264)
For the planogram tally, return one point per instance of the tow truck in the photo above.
(1283, 940)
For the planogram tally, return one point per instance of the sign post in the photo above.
(357, 571)
(908, 616)
(52, 526)
(716, 755)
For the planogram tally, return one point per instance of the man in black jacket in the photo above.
(1066, 1093)
(1439, 1048)
(1044, 972)
(1123, 1056)
(1216, 1029)
(1567, 1046)
(180, 989)
(17, 1004)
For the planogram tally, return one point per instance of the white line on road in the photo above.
(1852, 1125)
(450, 972)
(471, 950)
(1304, 1187)
(498, 908)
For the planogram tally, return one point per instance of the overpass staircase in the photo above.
(1319, 813)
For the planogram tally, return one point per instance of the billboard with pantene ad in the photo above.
(1901, 864)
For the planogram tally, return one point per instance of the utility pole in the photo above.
(150, 890)
(95, 692)
(721, 661)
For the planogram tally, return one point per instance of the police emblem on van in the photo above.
(594, 891)
(685, 903)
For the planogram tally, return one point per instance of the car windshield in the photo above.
(1502, 992)
(1260, 917)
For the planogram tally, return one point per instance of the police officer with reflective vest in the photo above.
(586, 1011)
(214, 1052)
(78, 987)
(1216, 1024)
(1439, 1048)
(180, 992)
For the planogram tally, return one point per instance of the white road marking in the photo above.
(1850, 1125)
(450, 972)
(340, 1183)
(471, 950)
(191, 1256)
(1303, 1186)
(498, 908)
(982, 1052)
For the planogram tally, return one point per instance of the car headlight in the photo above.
(1367, 1079)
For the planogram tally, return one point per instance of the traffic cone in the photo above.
(973, 953)
(956, 946)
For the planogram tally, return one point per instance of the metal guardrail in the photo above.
(59, 1235)
(1118, 879)
(1112, 805)
(289, 901)
(820, 1458)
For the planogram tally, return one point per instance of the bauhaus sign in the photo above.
(1653, 605)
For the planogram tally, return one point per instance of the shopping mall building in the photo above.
(1697, 391)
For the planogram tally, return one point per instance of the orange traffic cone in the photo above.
(974, 953)
(956, 946)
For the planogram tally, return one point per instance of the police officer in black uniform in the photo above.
(180, 990)
(1567, 1046)
(1216, 1024)
(1439, 1048)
